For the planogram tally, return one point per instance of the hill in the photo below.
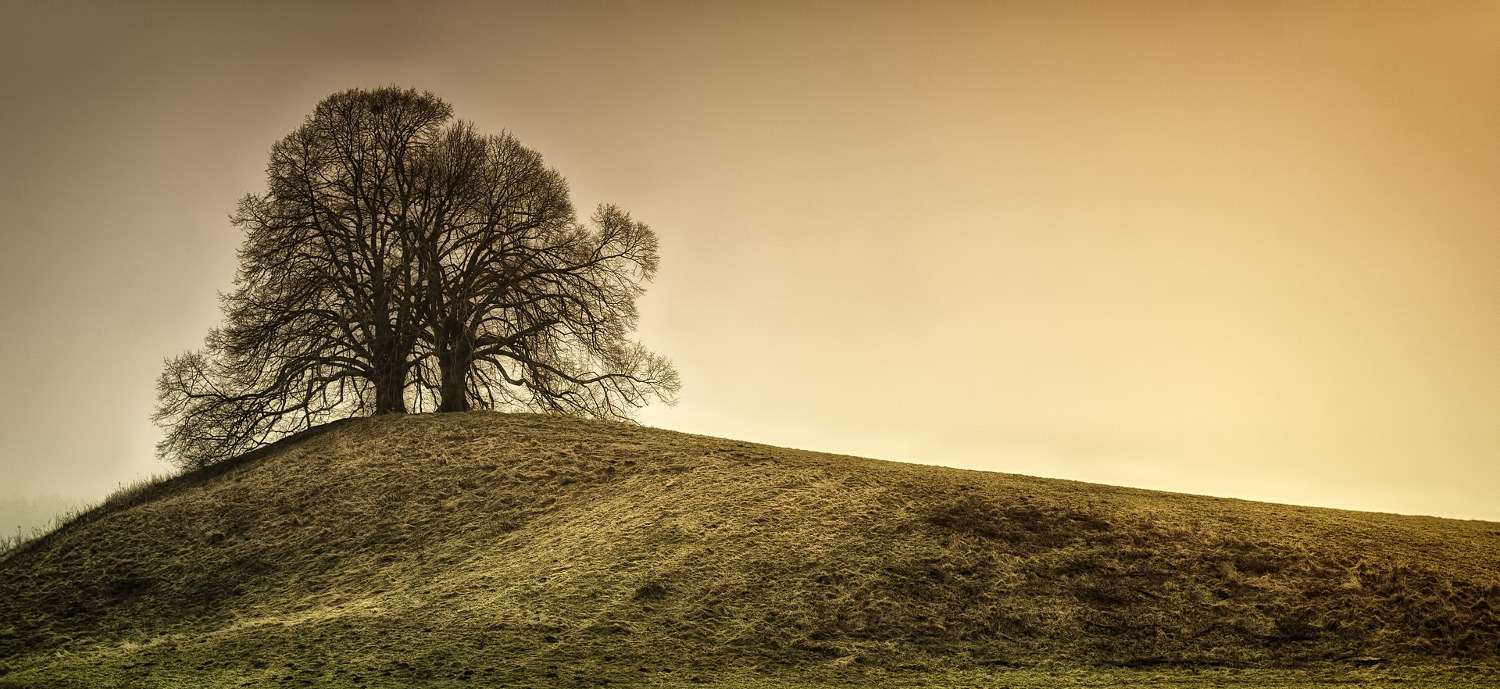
(488, 549)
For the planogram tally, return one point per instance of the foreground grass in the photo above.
(518, 550)
(373, 676)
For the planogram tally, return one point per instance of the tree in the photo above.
(525, 305)
(401, 259)
(326, 285)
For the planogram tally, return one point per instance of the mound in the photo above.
(488, 548)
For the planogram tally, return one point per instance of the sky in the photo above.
(1243, 249)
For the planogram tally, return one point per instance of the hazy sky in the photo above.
(1246, 249)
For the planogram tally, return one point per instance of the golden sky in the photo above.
(1246, 249)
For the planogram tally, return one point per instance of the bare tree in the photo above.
(322, 321)
(525, 306)
(397, 258)
(327, 281)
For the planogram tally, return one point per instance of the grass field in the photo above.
(280, 675)
(488, 549)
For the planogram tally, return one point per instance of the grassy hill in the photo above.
(488, 549)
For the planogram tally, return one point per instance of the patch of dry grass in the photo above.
(512, 549)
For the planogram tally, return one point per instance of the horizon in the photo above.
(1243, 251)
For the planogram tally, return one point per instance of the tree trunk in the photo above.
(455, 356)
(455, 383)
(390, 376)
(390, 390)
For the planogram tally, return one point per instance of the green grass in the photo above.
(488, 549)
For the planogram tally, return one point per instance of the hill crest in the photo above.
(521, 544)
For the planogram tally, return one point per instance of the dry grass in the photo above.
(522, 550)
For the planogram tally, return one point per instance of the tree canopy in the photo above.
(401, 260)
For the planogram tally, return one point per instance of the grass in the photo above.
(124, 495)
(489, 549)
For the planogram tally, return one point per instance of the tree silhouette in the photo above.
(525, 305)
(401, 259)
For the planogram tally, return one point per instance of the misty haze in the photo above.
(750, 345)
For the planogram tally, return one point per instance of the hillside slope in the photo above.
(486, 547)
